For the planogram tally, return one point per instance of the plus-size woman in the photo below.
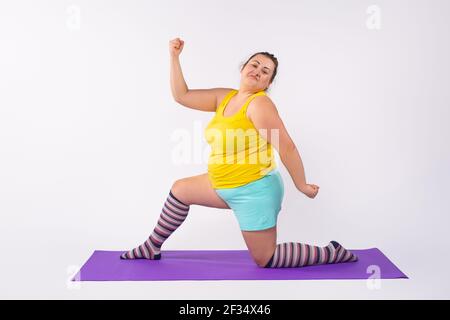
(242, 172)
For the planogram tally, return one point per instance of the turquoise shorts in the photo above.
(256, 204)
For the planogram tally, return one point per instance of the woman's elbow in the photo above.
(286, 149)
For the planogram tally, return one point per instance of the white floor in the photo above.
(31, 273)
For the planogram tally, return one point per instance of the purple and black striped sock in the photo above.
(292, 254)
(173, 214)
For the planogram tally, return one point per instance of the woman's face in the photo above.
(258, 72)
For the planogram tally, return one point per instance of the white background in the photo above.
(87, 121)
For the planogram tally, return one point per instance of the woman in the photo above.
(251, 186)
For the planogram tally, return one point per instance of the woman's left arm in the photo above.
(265, 118)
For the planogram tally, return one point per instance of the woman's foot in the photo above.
(342, 254)
(144, 251)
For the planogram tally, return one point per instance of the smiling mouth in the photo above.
(253, 77)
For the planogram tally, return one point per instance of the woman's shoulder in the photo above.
(260, 103)
(221, 93)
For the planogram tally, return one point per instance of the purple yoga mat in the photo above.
(227, 265)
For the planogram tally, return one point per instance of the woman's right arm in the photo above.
(177, 82)
(199, 99)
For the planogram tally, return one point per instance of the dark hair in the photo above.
(271, 57)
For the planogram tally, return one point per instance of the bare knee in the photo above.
(262, 258)
(261, 244)
(261, 261)
(178, 189)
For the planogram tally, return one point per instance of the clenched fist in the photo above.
(175, 47)
(310, 190)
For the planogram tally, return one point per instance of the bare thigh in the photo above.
(198, 190)
(261, 244)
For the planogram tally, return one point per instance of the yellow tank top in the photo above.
(239, 154)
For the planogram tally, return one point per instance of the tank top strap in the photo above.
(245, 106)
(225, 100)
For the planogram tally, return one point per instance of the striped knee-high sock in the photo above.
(291, 254)
(173, 214)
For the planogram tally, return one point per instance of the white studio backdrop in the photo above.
(88, 126)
